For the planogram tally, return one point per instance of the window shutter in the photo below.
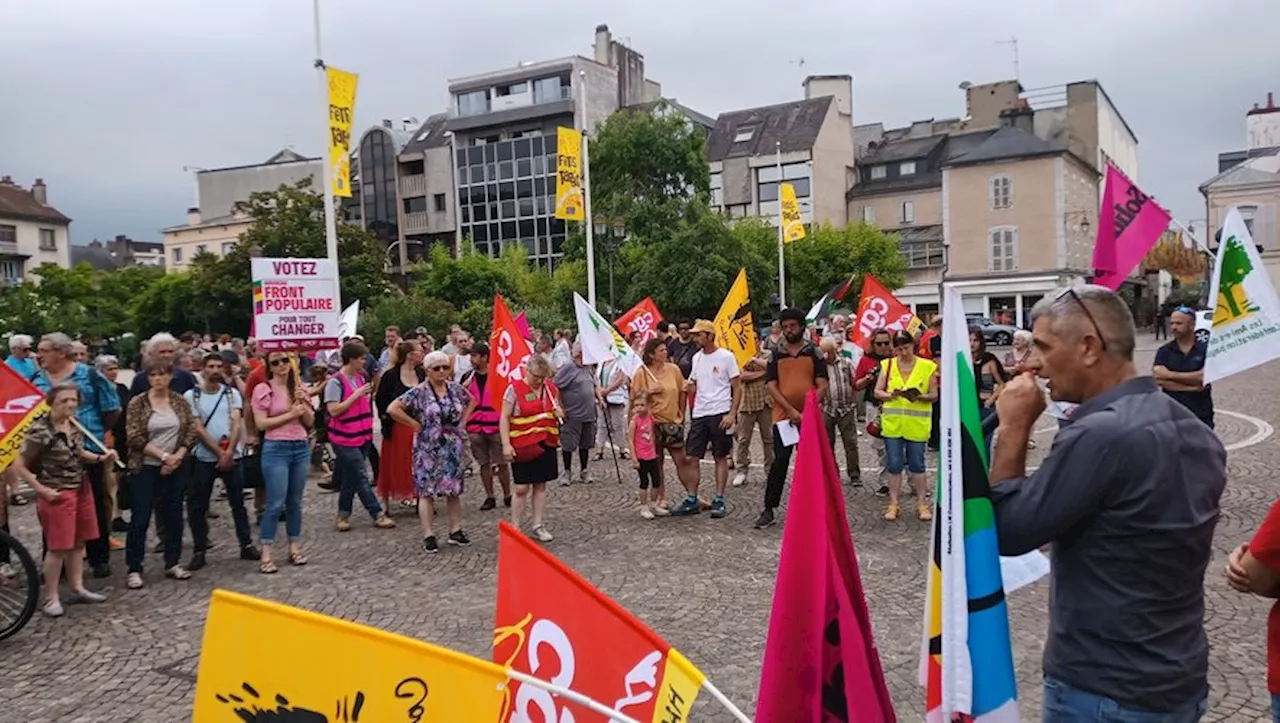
(1265, 227)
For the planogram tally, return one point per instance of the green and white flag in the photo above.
(600, 341)
(1246, 312)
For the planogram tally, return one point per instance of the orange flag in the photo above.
(508, 350)
(556, 626)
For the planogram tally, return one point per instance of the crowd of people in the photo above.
(1131, 543)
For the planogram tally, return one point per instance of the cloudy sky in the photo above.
(109, 101)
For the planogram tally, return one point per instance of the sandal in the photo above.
(923, 513)
(297, 559)
(267, 567)
(891, 514)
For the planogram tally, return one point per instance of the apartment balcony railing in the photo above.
(923, 255)
(507, 102)
(415, 222)
(8, 247)
(411, 186)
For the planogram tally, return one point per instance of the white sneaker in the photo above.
(739, 479)
(541, 535)
(88, 597)
(660, 511)
(646, 512)
(566, 477)
(582, 477)
(53, 609)
(7, 572)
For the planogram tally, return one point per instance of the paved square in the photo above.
(705, 585)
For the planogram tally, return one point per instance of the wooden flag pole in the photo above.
(90, 436)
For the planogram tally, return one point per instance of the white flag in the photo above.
(1246, 312)
(600, 341)
(347, 322)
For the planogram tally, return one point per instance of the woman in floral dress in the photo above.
(435, 410)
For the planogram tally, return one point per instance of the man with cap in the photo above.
(716, 391)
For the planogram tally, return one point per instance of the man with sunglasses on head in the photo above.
(1179, 366)
(864, 380)
(1129, 498)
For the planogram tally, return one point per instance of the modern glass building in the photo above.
(506, 195)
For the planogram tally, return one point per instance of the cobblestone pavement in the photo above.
(705, 585)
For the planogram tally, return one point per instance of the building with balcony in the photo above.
(808, 143)
(119, 253)
(32, 232)
(214, 224)
(1250, 180)
(502, 132)
(1003, 200)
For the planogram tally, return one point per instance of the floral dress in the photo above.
(437, 450)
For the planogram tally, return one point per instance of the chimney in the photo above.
(603, 45)
(40, 192)
(1271, 101)
(6, 180)
(193, 216)
(386, 123)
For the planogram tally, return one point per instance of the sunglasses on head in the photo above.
(1185, 310)
(1069, 291)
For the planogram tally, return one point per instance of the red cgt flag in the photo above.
(644, 317)
(20, 404)
(508, 350)
(555, 626)
(879, 308)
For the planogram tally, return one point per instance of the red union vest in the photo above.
(484, 419)
(354, 427)
(533, 420)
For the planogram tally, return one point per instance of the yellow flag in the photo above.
(792, 226)
(261, 660)
(569, 203)
(342, 111)
(735, 329)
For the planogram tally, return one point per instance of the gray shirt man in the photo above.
(577, 387)
(1129, 495)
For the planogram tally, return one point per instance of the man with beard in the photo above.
(794, 370)
(682, 347)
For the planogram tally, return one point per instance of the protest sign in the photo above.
(293, 304)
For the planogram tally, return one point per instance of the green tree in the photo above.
(286, 223)
(169, 304)
(829, 254)
(407, 311)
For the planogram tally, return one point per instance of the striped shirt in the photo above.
(841, 397)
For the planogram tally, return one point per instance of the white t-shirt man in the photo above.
(713, 374)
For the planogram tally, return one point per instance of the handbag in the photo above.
(671, 435)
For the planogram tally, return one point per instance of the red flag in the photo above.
(1129, 224)
(879, 308)
(553, 625)
(820, 661)
(508, 350)
(20, 404)
(644, 317)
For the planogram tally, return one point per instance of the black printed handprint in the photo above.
(248, 709)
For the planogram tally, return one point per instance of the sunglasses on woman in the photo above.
(279, 362)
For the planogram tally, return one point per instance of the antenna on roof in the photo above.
(1013, 41)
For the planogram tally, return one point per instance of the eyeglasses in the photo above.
(279, 362)
(439, 368)
(1096, 329)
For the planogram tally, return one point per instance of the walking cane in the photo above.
(608, 432)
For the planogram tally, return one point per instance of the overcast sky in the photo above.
(108, 101)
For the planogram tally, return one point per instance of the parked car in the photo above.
(997, 334)
(1204, 324)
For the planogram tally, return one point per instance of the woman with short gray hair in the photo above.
(436, 412)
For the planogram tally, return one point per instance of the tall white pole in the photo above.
(330, 217)
(586, 193)
(782, 235)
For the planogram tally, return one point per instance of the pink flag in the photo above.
(820, 660)
(522, 323)
(1129, 224)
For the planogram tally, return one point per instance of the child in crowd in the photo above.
(644, 457)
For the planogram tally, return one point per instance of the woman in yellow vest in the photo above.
(906, 389)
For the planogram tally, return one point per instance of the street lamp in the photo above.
(612, 231)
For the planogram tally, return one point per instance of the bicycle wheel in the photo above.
(20, 592)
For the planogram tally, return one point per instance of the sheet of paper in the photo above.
(787, 432)
(1023, 570)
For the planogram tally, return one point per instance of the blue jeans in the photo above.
(983, 413)
(284, 473)
(151, 491)
(1275, 708)
(896, 448)
(354, 477)
(1066, 704)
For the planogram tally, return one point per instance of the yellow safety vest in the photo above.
(902, 418)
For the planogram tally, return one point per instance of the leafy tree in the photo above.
(470, 276)
(286, 223)
(829, 254)
(169, 304)
(407, 312)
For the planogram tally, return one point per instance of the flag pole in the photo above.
(586, 194)
(782, 233)
(1195, 241)
(330, 218)
(574, 696)
(714, 692)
